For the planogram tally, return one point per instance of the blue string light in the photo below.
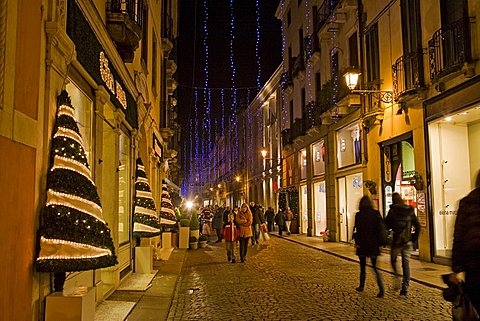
(234, 93)
(308, 15)
(332, 60)
(284, 64)
(257, 44)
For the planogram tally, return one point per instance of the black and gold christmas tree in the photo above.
(167, 211)
(73, 236)
(145, 219)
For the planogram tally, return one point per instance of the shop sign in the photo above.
(157, 146)
(387, 165)
(421, 212)
(112, 84)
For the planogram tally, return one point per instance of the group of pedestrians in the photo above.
(371, 232)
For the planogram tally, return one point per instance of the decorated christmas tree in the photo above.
(73, 236)
(167, 211)
(145, 219)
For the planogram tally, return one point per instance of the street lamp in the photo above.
(351, 78)
(264, 153)
(237, 178)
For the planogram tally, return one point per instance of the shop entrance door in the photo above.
(350, 190)
(304, 209)
(342, 208)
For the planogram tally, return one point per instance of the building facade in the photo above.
(115, 61)
(395, 131)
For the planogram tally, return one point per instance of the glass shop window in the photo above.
(349, 146)
(318, 158)
(124, 188)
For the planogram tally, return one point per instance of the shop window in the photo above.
(318, 158)
(302, 159)
(349, 146)
(124, 188)
(454, 161)
(84, 115)
(320, 203)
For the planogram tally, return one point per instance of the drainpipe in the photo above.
(361, 77)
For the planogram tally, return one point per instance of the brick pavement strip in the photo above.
(288, 281)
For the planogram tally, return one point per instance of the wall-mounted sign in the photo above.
(157, 146)
(113, 85)
(387, 165)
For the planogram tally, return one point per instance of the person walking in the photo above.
(217, 223)
(288, 219)
(230, 235)
(280, 221)
(466, 245)
(401, 219)
(270, 217)
(367, 231)
(244, 221)
(255, 209)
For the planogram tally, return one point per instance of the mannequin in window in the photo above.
(356, 145)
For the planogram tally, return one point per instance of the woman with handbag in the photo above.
(367, 234)
(244, 220)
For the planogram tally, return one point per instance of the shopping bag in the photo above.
(264, 235)
(264, 227)
(463, 310)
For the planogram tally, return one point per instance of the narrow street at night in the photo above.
(289, 281)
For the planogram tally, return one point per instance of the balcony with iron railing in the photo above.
(124, 21)
(324, 12)
(298, 66)
(408, 75)
(286, 137)
(449, 48)
(299, 128)
(312, 46)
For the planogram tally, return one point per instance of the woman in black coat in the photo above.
(368, 225)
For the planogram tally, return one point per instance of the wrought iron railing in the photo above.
(286, 137)
(323, 12)
(132, 8)
(408, 73)
(298, 65)
(299, 128)
(449, 48)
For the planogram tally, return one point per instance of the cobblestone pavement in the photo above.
(288, 281)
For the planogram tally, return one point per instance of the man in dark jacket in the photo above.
(280, 220)
(466, 244)
(270, 216)
(401, 218)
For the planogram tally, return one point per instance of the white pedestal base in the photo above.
(60, 307)
(183, 238)
(144, 259)
(166, 240)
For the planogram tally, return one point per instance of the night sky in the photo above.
(190, 57)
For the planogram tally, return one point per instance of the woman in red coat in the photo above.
(244, 221)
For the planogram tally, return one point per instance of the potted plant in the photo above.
(194, 226)
(193, 242)
(202, 240)
(184, 233)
